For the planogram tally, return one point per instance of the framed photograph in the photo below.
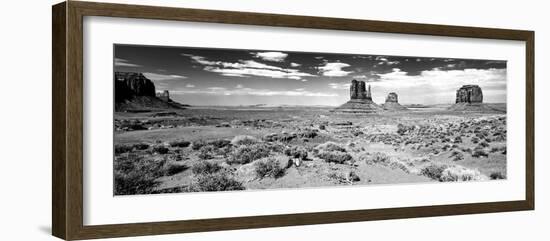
(171, 120)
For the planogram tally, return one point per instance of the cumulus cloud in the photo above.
(295, 65)
(162, 77)
(124, 63)
(247, 68)
(271, 56)
(334, 69)
(190, 86)
(339, 86)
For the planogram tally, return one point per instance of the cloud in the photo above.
(295, 65)
(334, 69)
(339, 86)
(190, 86)
(443, 79)
(162, 77)
(125, 63)
(255, 92)
(271, 56)
(247, 68)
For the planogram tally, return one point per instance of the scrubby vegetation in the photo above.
(269, 168)
(248, 153)
(136, 175)
(433, 171)
(180, 143)
(244, 140)
(296, 152)
(497, 176)
(218, 181)
(205, 167)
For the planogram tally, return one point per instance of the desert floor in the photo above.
(237, 148)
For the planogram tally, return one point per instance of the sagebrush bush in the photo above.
(174, 169)
(248, 153)
(244, 140)
(296, 152)
(220, 143)
(207, 152)
(268, 168)
(196, 145)
(179, 143)
(330, 146)
(375, 158)
(136, 175)
(308, 134)
(219, 181)
(497, 175)
(205, 167)
(433, 171)
(121, 148)
(479, 153)
(334, 156)
(460, 174)
(160, 149)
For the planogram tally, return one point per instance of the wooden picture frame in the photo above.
(67, 124)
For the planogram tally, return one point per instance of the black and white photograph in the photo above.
(189, 119)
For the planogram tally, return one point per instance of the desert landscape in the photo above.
(162, 146)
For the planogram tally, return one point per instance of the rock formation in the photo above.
(135, 92)
(128, 85)
(360, 100)
(392, 103)
(469, 98)
(469, 94)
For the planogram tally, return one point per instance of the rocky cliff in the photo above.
(392, 103)
(360, 100)
(469, 98)
(135, 92)
(469, 94)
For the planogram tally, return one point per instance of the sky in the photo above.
(213, 76)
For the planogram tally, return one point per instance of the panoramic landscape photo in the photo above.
(207, 119)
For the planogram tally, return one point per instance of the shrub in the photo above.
(244, 140)
(352, 176)
(141, 146)
(497, 175)
(207, 152)
(246, 154)
(160, 149)
(221, 143)
(205, 167)
(174, 169)
(334, 156)
(433, 171)
(475, 140)
(457, 156)
(296, 152)
(479, 153)
(330, 146)
(268, 168)
(179, 143)
(308, 134)
(375, 158)
(220, 181)
(120, 148)
(483, 144)
(458, 174)
(196, 145)
(136, 176)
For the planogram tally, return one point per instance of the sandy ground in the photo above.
(388, 148)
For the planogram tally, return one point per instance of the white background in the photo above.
(26, 120)
(100, 207)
